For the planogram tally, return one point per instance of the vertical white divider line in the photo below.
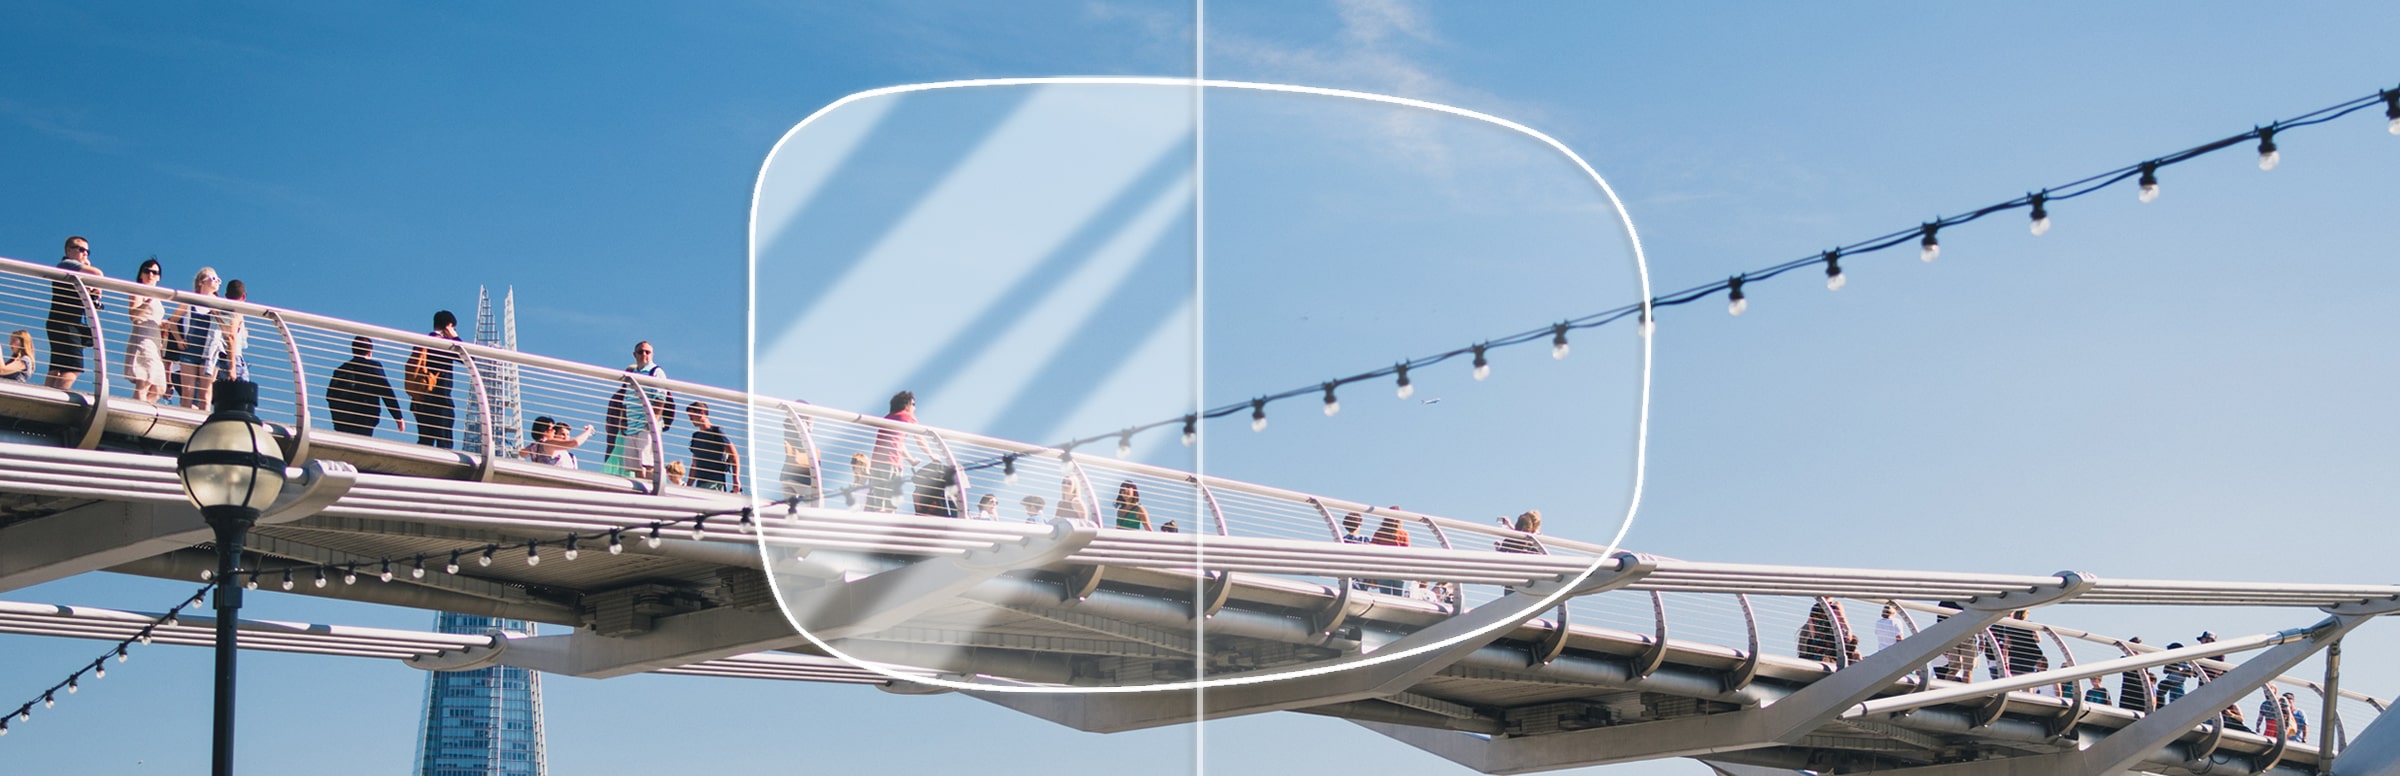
(1199, 366)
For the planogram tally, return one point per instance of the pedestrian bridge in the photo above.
(1502, 652)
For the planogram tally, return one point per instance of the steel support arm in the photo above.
(832, 611)
(110, 533)
(1379, 674)
(1784, 721)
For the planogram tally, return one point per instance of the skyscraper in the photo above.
(507, 405)
(486, 721)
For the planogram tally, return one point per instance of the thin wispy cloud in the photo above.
(1159, 27)
(1371, 21)
(60, 124)
(1383, 47)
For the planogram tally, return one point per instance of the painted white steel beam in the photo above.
(1783, 721)
(833, 610)
(109, 533)
(1443, 644)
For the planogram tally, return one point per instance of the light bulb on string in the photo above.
(252, 582)
(616, 541)
(533, 553)
(1008, 468)
(2268, 157)
(121, 656)
(571, 552)
(1735, 301)
(418, 571)
(320, 576)
(385, 573)
(699, 527)
(653, 541)
(49, 701)
(207, 574)
(145, 636)
(1333, 406)
(1834, 279)
(100, 670)
(1405, 389)
(2041, 213)
(486, 559)
(350, 574)
(25, 713)
(1483, 368)
(2149, 183)
(1558, 341)
(74, 685)
(1648, 325)
(1930, 247)
(1258, 414)
(287, 579)
(748, 522)
(1191, 430)
(1125, 443)
(452, 566)
(2391, 110)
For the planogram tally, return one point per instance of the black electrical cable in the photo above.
(2069, 190)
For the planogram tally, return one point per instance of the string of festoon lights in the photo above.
(98, 668)
(1927, 237)
(322, 575)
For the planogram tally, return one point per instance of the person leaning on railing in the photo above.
(188, 333)
(1131, 515)
(145, 363)
(716, 462)
(1528, 523)
(226, 351)
(358, 392)
(552, 443)
(69, 326)
(891, 459)
(629, 451)
(1389, 533)
(19, 366)
(1825, 636)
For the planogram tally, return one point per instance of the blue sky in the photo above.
(2189, 388)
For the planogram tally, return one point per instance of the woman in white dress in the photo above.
(144, 366)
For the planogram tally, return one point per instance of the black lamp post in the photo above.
(232, 470)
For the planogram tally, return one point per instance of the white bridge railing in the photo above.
(818, 458)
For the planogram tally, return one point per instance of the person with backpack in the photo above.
(428, 376)
(630, 451)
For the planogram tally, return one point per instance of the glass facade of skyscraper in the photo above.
(484, 722)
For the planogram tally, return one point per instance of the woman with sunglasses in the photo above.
(189, 332)
(144, 366)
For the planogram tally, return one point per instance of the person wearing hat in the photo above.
(429, 377)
